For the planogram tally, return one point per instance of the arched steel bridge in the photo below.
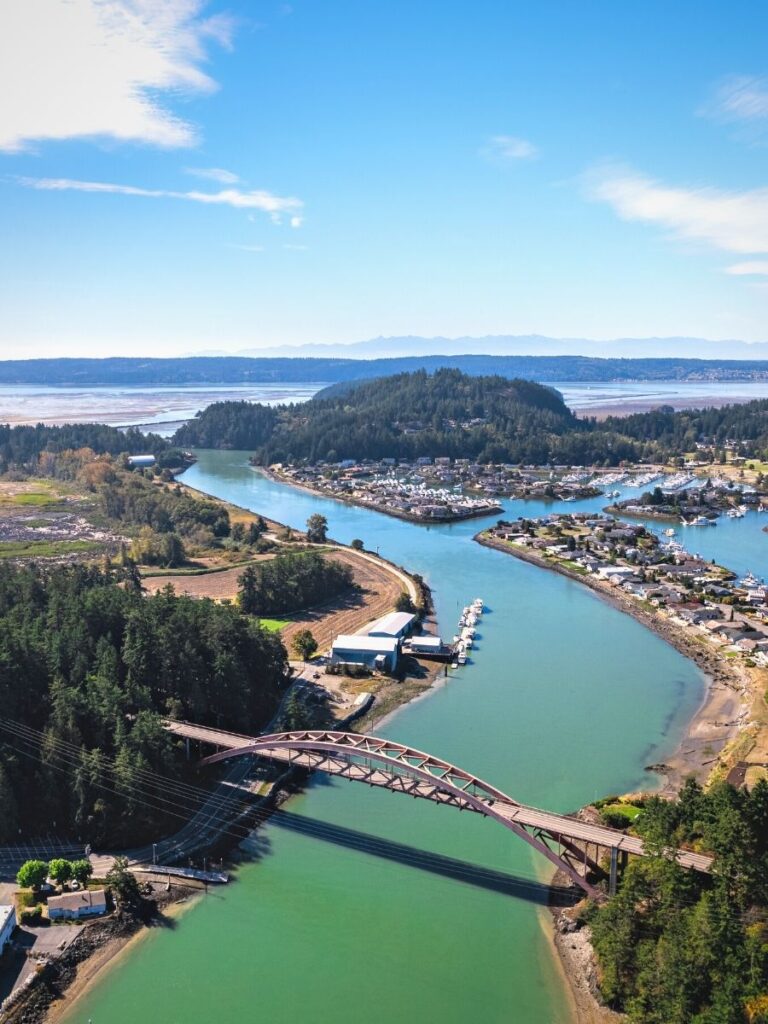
(563, 840)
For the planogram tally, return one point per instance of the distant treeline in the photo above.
(94, 667)
(247, 370)
(21, 446)
(678, 432)
(448, 413)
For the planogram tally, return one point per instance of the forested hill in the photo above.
(89, 668)
(249, 370)
(406, 416)
(490, 419)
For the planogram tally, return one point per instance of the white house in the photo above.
(84, 903)
(7, 924)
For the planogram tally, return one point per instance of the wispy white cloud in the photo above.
(242, 200)
(739, 98)
(296, 222)
(509, 148)
(97, 68)
(214, 174)
(748, 267)
(733, 221)
(246, 248)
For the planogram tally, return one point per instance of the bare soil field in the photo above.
(378, 591)
(43, 519)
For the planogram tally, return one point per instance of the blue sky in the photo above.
(179, 176)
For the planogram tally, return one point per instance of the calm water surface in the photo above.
(565, 699)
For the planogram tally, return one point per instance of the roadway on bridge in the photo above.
(337, 762)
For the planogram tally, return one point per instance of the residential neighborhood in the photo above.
(726, 611)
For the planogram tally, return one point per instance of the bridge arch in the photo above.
(563, 840)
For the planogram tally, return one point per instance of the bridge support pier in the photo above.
(612, 878)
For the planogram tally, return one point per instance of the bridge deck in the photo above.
(356, 765)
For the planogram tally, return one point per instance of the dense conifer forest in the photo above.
(21, 446)
(675, 946)
(93, 665)
(490, 419)
(291, 582)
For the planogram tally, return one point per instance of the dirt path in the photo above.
(379, 588)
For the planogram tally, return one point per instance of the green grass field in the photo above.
(628, 811)
(274, 625)
(45, 548)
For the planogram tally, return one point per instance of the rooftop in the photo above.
(391, 624)
(358, 642)
(94, 898)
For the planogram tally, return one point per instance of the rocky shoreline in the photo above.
(63, 979)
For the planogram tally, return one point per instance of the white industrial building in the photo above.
(140, 461)
(426, 644)
(7, 924)
(378, 652)
(396, 624)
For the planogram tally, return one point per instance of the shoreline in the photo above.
(724, 683)
(383, 509)
(723, 712)
(108, 954)
(720, 721)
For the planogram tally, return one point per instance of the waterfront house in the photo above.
(76, 905)
(7, 925)
(617, 573)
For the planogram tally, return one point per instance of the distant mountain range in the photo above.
(516, 344)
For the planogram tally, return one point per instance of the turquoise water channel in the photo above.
(363, 905)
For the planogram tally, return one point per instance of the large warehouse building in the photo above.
(379, 652)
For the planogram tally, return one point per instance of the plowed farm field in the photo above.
(378, 588)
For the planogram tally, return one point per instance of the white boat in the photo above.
(699, 521)
(462, 658)
(670, 532)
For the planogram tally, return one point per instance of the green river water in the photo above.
(355, 907)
